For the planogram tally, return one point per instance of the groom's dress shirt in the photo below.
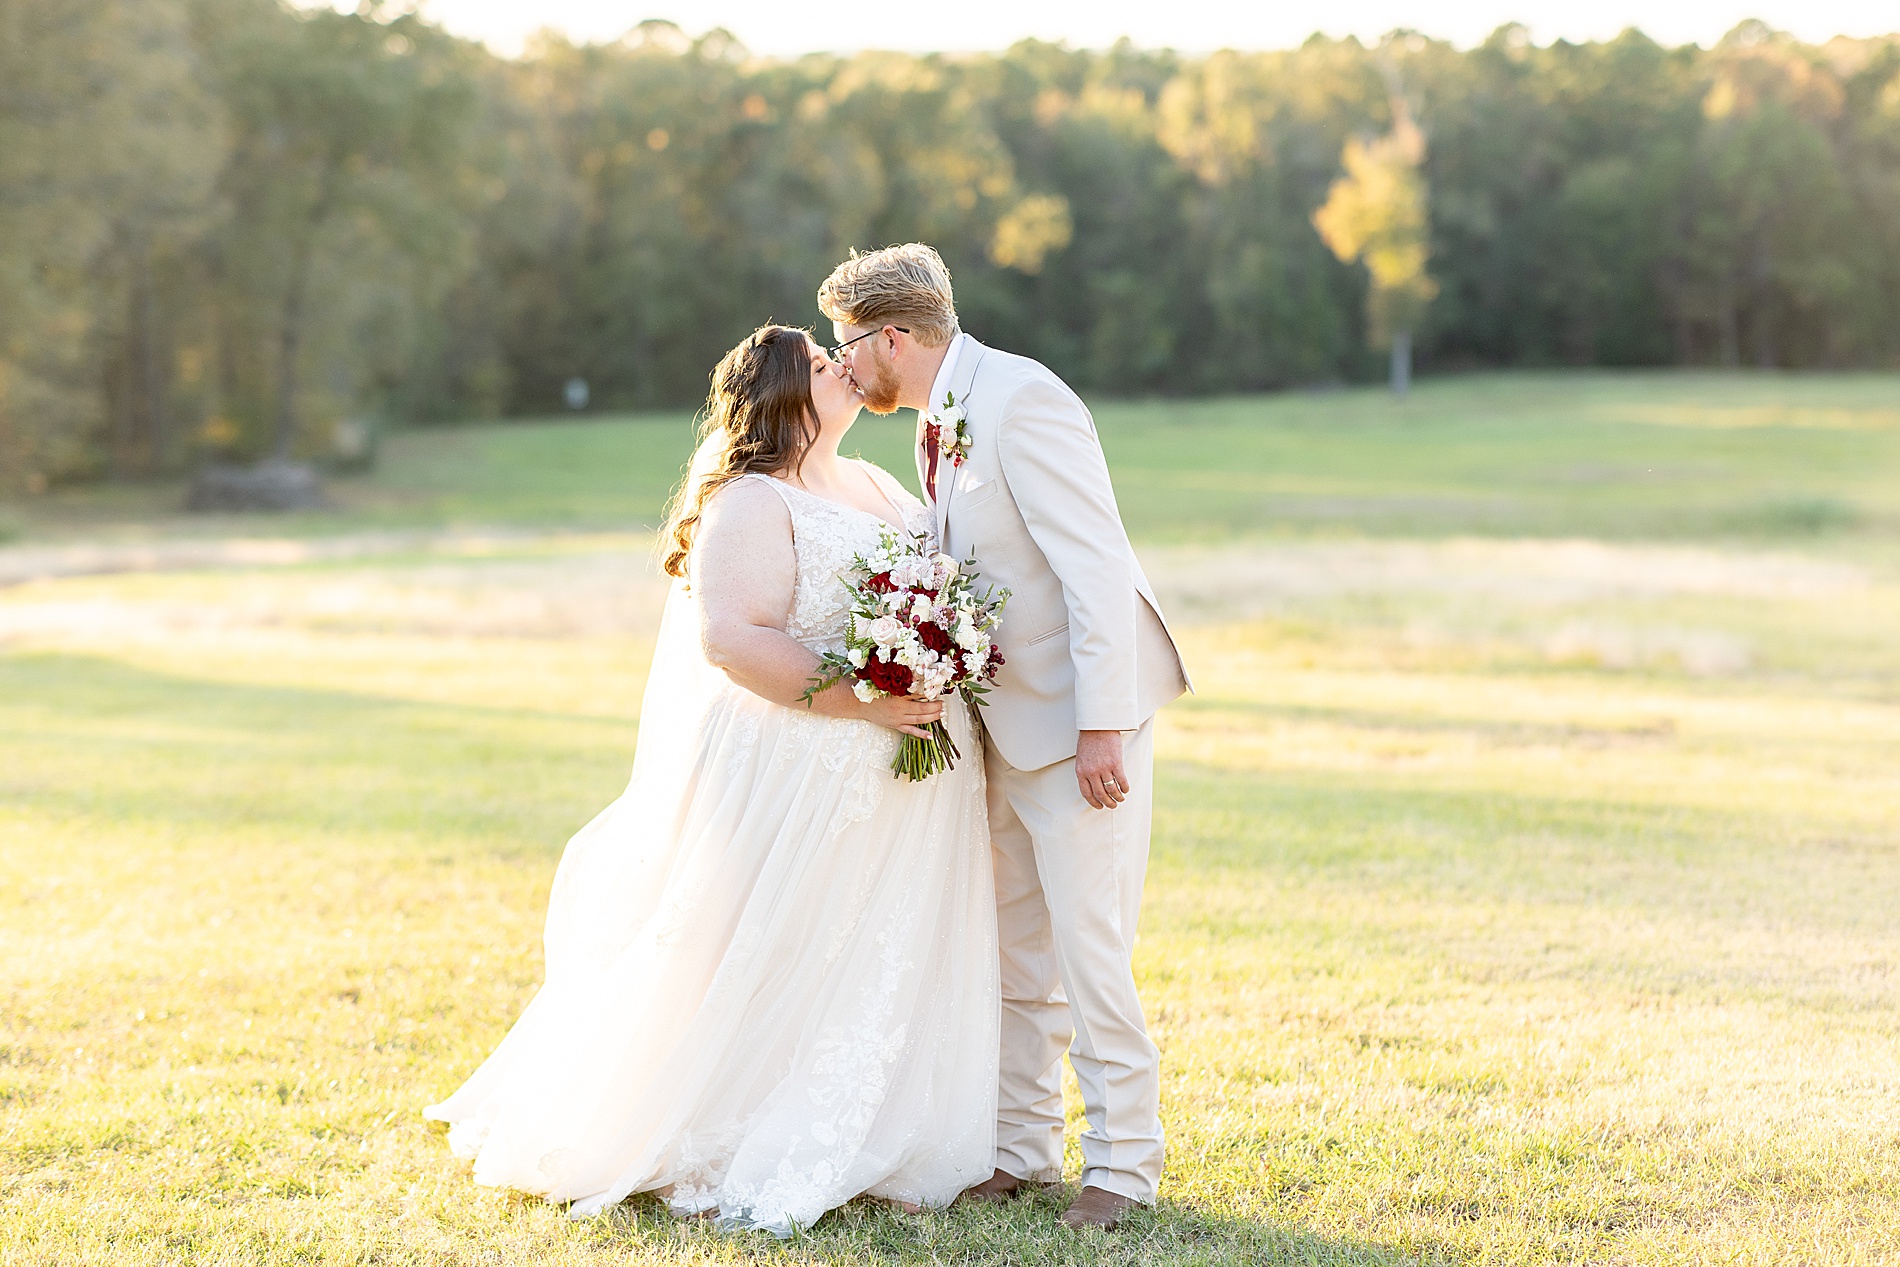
(947, 373)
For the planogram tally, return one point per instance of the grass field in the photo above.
(1628, 456)
(1525, 869)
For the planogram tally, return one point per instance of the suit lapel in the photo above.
(960, 383)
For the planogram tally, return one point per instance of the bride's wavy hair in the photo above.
(759, 417)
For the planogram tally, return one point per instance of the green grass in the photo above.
(1523, 876)
(1669, 454)
(1654, 455)
(1662, 455)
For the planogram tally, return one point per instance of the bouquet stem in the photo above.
(918, 759)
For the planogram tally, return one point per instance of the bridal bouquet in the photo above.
(918, 627)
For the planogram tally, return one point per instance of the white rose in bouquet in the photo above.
(918, 626)
(886, 631)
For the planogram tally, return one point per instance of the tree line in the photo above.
(232, 228)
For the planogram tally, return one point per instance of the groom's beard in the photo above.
(879, 389)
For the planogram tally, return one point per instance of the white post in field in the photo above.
(1401, 362)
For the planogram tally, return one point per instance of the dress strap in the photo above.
(913, 516)
(784, 489)
(785, 495)
(776, 483)
(878, 477)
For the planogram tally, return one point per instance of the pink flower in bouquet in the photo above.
(918, 627)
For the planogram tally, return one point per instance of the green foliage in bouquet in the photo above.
(918, 627)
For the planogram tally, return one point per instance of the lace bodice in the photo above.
(828, 535)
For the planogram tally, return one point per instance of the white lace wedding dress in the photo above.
(771, 966)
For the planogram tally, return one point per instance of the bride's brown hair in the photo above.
(759, 417)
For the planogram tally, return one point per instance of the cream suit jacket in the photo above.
(1083, 640)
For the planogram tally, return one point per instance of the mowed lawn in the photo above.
(1527, 868)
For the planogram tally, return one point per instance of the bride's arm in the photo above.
(745, 572)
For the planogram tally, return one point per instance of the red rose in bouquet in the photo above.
(918, 627)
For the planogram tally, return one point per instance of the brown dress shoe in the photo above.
(1098, 1207)
(998, 1188)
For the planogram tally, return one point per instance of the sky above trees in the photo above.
(774, 28)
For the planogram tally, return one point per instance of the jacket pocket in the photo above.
(976, 496)
(1044, 637)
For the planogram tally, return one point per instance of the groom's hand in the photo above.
(1098, 768)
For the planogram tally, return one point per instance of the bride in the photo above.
(771, 966)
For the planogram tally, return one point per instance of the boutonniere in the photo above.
(949, 430)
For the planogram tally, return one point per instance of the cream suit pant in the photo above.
(1068, 893)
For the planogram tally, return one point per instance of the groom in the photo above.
(1011, 465)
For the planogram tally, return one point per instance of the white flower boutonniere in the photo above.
(948, 428)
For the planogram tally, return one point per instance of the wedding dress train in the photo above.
(771, 966)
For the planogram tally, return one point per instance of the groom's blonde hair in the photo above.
(904, 285)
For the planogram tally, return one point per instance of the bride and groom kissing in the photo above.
(778, 978)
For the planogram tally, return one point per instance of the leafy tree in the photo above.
(1377, 213)
(226, 224)
(105, 171)
(349, 191)
(1769, 201)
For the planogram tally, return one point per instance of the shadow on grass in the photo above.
(1502, 733)
(1301, 821)
(89, 685)
(1743, 868)
(88, 736)
(866, 1232)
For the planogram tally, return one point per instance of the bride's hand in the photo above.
(903, 713)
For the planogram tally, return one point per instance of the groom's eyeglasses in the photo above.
(837, 352)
